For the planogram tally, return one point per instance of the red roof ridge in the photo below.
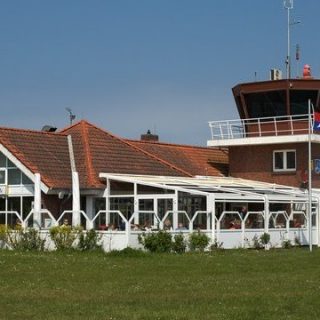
(85, 122)
(88, 156)
(73, 125)
(176, 144)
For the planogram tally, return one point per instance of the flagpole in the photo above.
(309, 177)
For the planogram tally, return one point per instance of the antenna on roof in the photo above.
(288, 4)
(71, 115)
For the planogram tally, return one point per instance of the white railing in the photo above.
(259, 127)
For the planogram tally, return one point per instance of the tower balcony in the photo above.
(258, 131)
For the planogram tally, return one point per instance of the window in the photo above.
(284, 160)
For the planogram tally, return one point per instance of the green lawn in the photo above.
(237, 284)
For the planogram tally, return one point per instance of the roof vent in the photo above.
(149, 136)
(48, 128)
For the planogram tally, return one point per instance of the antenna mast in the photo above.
(288, 4)
(71, 115)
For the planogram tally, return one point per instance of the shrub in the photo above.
(64, 236)
(286, 244)
(256, 242)
(179, 245)
(216, 245)
(89, 241)
(297, 241)
(160, 241)
(265, 239)
(26, 240)
(198, 241)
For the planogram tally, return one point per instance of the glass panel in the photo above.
(2, 204)
(291, 160)
(299, 100)
(124, 205)
(2, 208)
(278, 160)
(254, 221)
(3, 159)
(266, 104)
(164, 205)
(26, 180)
(146, 205)
(99, 204)
(14, 204)
(11, 164)
(14, 176)
(230, 221)
(2, 177)
(26, 206)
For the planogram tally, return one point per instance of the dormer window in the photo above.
(284, 160)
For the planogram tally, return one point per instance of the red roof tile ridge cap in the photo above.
(176, 145)
(73, 125)
(33, 131)
(88, 157)
(138, 149)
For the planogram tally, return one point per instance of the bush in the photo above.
(297, 241)
(179, 245)
(64, 237)
(89, 241)
(286, 244)
(198, 241)
(26, 240)
(216, 245)
(160, 241)
(265, 239)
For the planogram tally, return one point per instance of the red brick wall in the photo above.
(256, 163)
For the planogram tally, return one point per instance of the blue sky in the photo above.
(133, 65)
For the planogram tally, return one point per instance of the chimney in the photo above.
(149, 136)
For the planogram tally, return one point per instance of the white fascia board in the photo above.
(315, 138)
(22, 167)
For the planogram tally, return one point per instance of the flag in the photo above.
(316, 121)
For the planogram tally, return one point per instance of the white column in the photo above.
(90, 211)
(75, 200)
(135, 204)
(211, 208)
(175, 211)
(37, 202)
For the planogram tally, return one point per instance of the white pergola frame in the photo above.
(216, 189)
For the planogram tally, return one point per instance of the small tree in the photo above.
(89, 241)
(160, 241)
(179, 245)
(265, 239)
(198, 241)
(64, 236)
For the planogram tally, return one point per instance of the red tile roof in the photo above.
(194, 160)
(41, 152)
(97, 150)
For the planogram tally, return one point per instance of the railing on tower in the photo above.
(259, 127)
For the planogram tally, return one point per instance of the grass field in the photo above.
(238, 284)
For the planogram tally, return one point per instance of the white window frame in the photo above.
(285, 165)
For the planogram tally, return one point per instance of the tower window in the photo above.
(284, 160)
